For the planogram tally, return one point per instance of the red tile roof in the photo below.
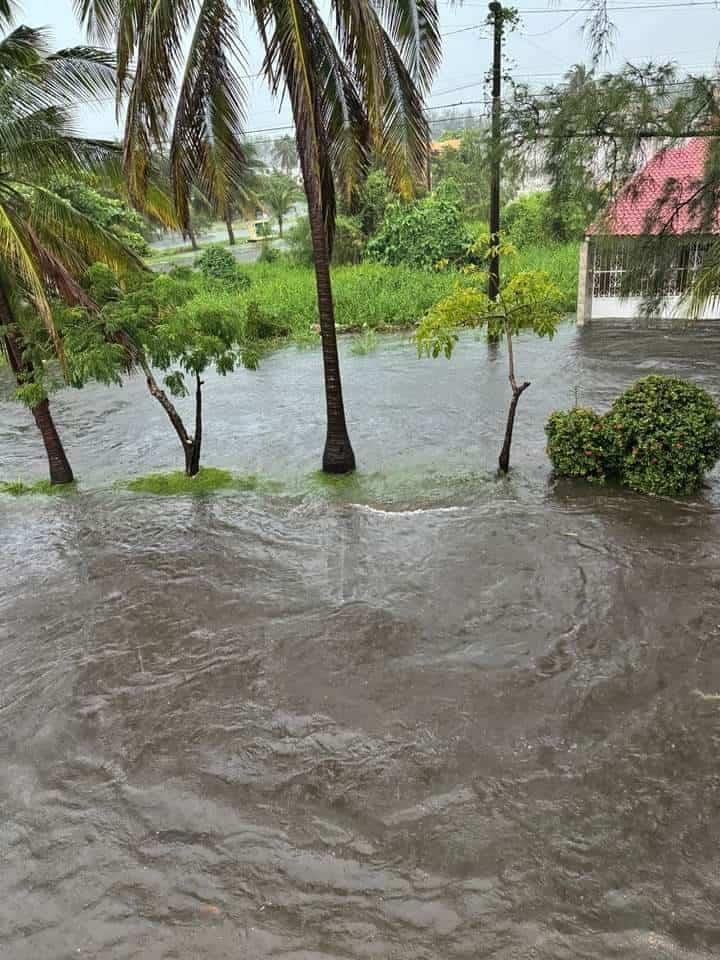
(661, 197)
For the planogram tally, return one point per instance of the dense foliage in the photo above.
(106, 211)
(422, 234)
(540, 219)
(661, 436)
(217, 263)
(465, 160)
(578, 444)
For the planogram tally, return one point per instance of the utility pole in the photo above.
(494, 277)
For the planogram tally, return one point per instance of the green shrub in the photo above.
(299, 242)
(540, 218)
(349, 244)
(578, 445)
(217, 263)
(422, 234)
(661, 437)
(667, 434)
(268, 253)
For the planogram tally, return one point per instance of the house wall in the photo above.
(613, 308)
(591, 306)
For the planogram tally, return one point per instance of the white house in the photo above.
(662, 200)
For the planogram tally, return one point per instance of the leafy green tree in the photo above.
(529, 301)
(109, 212)
(468, 167)
(284, 154)
(279, 193)
(181, 324)
(424, 233)
(354, 86)
(47, 241)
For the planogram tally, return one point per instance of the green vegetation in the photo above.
(661, 437)
(17, 488)
(208, 480)
(528, 301)
(365, 343)
(424, 234)
(558, 260)
(216, 262)
(578, 444)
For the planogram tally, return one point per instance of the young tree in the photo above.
(355, 86)
(47, 241)
(182, 325)
(529, 301)
(279, 193)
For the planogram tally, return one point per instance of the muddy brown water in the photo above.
(427, 714)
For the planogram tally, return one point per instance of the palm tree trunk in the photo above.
(58, 464)
(338, 456)
(230, 231)
(280, 223)
(191, 236)
(60, 470)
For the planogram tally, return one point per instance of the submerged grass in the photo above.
(177, 483)
(17, 488)
(210, 479)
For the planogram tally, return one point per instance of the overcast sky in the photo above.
(547, 42)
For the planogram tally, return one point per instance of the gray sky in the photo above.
(546, 44)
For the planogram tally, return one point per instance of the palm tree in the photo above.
(46, 243)
(279, 192)
(245, 193)
(355, 88)
(284, 154)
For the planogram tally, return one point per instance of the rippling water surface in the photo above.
(424, 714)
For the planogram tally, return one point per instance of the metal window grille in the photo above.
(610, 264)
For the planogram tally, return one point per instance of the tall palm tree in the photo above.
(284, 154)
(45, 242)
(352, 89)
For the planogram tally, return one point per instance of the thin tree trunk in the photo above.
(192, 453)
(193, 241)
(280, 224)
(58, 463)
(188, 442)
(517, 392)
(230, 231)
(338, 456)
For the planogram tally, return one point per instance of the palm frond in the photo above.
(414, 28)
(206, 147)
(80, 75)
(6, 11)
(62, 228)
(99, 17)
(287, 28)
(17, 254)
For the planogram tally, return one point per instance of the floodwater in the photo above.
(428, 714)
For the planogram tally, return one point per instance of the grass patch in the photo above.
(177, 483)
(16, 488)
(282, 299)
(364, 343)
(559, 260)
(207, 481)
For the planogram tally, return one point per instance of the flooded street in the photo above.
(426, 714)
